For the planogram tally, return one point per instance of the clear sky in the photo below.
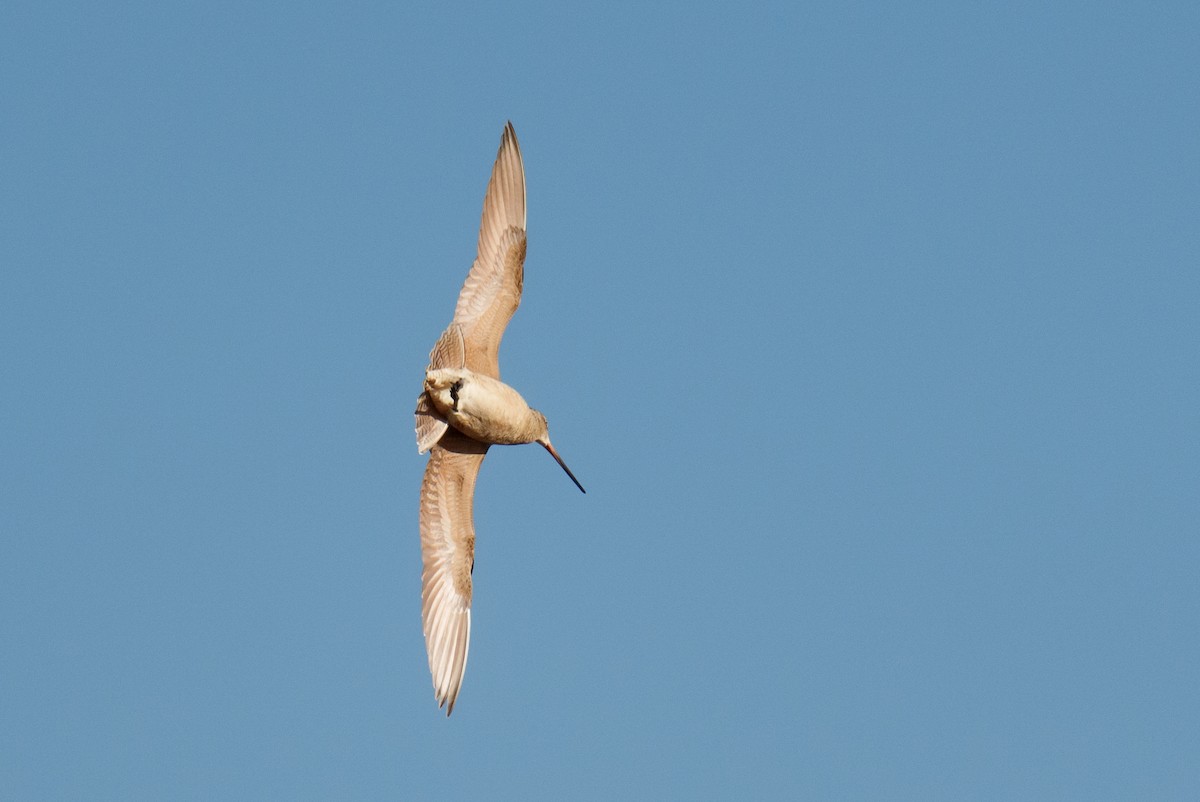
(872, 331)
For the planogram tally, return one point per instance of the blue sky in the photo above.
(871, 330)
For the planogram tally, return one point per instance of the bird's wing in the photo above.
(448, 554)
(492, 290)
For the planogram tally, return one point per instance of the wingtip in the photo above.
(446, 699)
(510, 135)
(509, 138)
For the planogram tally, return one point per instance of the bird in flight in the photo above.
(463, 410)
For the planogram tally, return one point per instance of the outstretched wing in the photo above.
(448, 554)
(492, 290)
(490, 295)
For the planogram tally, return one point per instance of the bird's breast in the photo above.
(479, 406)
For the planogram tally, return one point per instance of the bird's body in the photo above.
(465, 408)
(483, 408)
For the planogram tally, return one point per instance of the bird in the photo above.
(462, 410)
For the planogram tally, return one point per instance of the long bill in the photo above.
(563, 465)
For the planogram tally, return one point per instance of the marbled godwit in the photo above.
(464, 409)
